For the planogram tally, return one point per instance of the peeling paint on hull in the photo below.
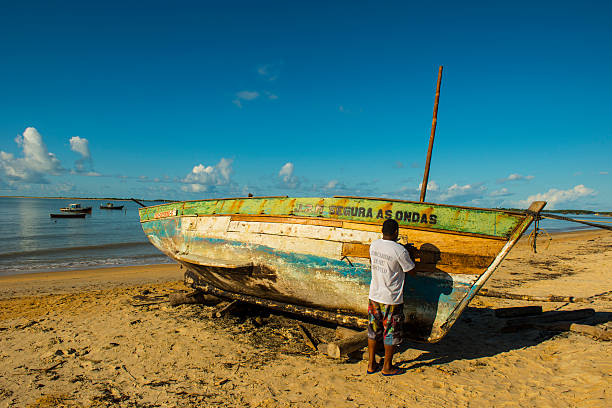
(303, 260)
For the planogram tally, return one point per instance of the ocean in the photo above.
(33, 242)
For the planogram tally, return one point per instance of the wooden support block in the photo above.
(337, 318)
(592, 331)
(310, 341)
(344, 332)
(322, 348)
(196, 297)
(223, 308)
(515, 296)
(518, 311)
(347, 345)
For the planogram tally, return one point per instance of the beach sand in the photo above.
(107, 338)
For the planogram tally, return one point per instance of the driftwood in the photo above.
(514, 296)
(347, 345)
(223, 308)
(310, 341)
(344, 332)
(196, 297)
(506, 312)
(592, 331)
(338, 318)
(536, 321)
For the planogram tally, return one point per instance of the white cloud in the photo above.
(286, 175)
(334, 185)
(501, 193)
(36, 163)
(270, 95)
(202, 178)
(431, 186)
(463, 193)
(81, 146)
(269, 72)
(555, 197)
(515, 177)
(245, 96)
(603, 173)
(331, 184)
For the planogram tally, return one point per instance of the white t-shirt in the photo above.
(390, 261)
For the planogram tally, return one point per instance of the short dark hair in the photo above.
(390, 227)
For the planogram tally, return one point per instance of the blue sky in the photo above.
(190, 100)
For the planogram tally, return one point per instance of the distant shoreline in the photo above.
(89, 198)
(577, 212)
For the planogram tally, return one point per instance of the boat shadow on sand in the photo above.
(478, 333)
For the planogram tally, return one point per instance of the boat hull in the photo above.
(105, 207)
(322, 262)
(68, 215)
(86, 210)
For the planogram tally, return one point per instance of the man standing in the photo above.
(389, 261)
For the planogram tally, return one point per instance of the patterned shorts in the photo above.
(385, 322)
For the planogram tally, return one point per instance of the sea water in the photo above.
(31, 241)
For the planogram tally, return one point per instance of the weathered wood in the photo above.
(534, 208)
(348, 345)
(507, 312)
(319, 247)
(345, 332)
(287, 220)
(415, 229)
(299, 230)
(428, 258)
(446, 241)
(196, 297)
(595, 332)
(223, 308)
(431, 138)
(309, 269)
(338, 318)
(566, 316)
(514, 296)
(308, 338)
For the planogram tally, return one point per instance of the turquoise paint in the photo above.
(429, 292)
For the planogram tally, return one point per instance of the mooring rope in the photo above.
(590, 223)
(533, 236)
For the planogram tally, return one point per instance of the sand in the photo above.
(108, 338)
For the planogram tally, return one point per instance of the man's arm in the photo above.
(405, 261)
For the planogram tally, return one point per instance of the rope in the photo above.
(558, 217)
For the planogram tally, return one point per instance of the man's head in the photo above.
(390, 230)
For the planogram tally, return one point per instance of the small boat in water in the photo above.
(76, 208)
(110, 206)
(69, 215)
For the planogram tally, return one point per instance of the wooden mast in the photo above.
(431, 137)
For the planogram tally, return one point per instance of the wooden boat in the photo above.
(68, 215)
(76, 208)
(110, 206)
(311, 255)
